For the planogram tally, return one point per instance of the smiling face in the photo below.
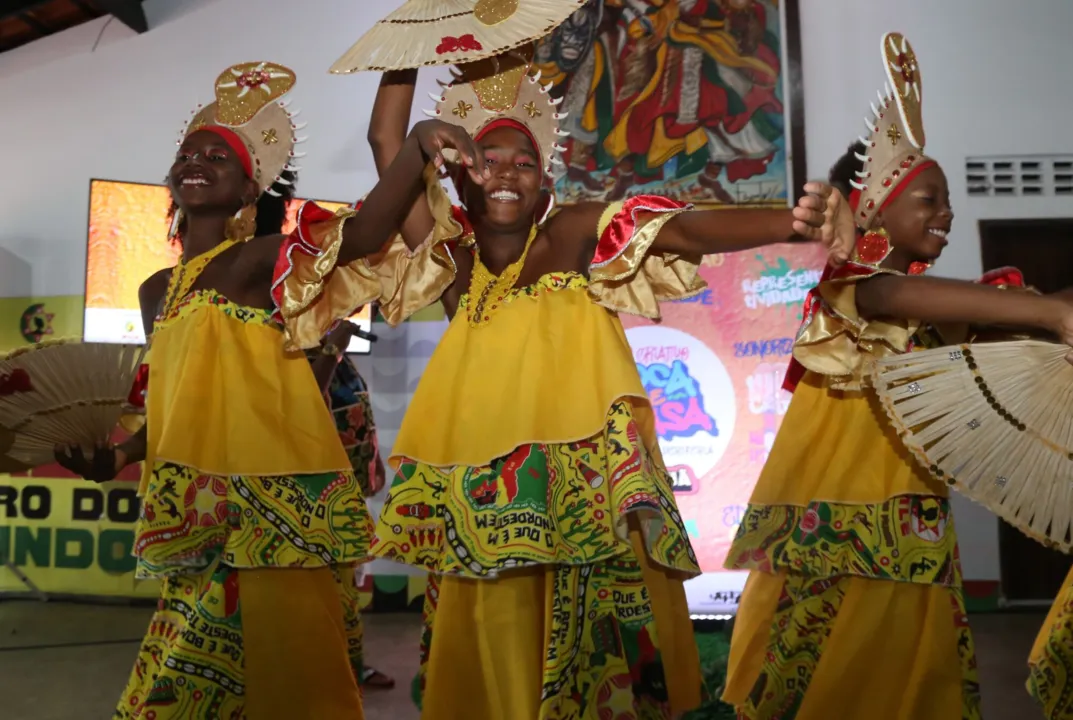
(919, 218)
(207, 177)
(508, 200)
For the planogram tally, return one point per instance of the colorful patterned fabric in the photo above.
(190, 520)
(544, 284)
(191, 661)
(346, 578)
(1050, 666)
(603, 658)
(190, 664)
(348, 397)
(905, 538)
(200, 298)
(807, 612)
(541, 504)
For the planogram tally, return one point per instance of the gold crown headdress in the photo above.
(248, 104)
(895, 144)
(504, 87)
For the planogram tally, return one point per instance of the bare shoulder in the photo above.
(154, 286)
(259, 254)
(576, 227)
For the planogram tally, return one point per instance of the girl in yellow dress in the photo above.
(854, 609)
(529, 482)
(251, 514)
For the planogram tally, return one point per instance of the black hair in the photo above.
(846, 169)
(271, 210)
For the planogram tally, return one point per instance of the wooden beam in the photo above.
(39, 27)
(128, 12)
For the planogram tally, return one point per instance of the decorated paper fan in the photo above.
(449, 32)
(994, 421)
(64, 393)
(9, 464)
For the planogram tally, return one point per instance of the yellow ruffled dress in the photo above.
(853, 608)
(530, 485)
(252, 518)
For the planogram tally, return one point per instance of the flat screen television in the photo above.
(128, 228)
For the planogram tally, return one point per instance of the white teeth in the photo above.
(936, 231)
(195, 181)
(505, 195)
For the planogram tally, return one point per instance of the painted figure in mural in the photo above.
(539, 502)
(347, 396)
(680, 98)
(252, 516)
(855, 574)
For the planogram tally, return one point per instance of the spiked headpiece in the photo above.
(248, 104)
(895, 142)
(504, 87)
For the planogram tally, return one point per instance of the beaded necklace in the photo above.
(186, 274)
(487, 291)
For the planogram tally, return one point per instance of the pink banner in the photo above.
(713, 369)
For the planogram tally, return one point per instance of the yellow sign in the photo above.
(70, 536)
(25, 320)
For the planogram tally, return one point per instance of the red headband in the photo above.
(495, 125)
(235, 143)
(855, 196)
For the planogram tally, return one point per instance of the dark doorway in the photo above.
(1043, 250)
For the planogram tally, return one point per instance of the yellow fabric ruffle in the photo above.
(413, 280)
(908, 539)
(189, 520)
(545, 370)
(838, 446)
(838, 343)
(317, 291)
(637, 280)
(554, 504)
(220, 367)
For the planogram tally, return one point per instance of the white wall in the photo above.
(115, 113)
(996, 78)
(994, 72)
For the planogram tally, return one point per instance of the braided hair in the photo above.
(846, 169)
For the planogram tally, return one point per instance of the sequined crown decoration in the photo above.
(895, 143)
(248, 102)
(506, 86)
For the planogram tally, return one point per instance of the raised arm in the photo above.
(387, 134)
(821, 215)
(402, 184)
(937, 300)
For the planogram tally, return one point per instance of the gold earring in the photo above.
(243, 225)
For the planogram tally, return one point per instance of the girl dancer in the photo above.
(251, 512)
(854, 607)
(531, 487)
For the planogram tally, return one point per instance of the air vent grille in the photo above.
(1019, 176)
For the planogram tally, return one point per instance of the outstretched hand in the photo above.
(823, 215)
(104, 465)
(436, 136)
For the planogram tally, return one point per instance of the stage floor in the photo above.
(61, 661)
